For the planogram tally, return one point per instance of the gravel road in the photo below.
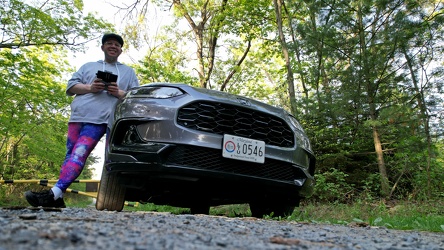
(87, 228)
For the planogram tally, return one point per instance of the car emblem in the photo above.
(244, 102)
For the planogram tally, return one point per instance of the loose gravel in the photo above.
(87, 228)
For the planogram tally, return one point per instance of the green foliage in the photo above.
(332, 186)
(356, 86)
(55, 22)
(33, 70)
(425, 216)
(235, 210)
(399, 215)
(33, 112)
(165, 63)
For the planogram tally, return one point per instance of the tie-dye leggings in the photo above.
(81, 140)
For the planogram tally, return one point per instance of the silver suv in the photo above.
(177, 145)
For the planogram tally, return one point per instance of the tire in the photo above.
(261, 209)
(111, 196)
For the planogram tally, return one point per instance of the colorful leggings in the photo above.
(82, 138)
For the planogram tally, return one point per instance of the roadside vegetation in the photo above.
(427, 215)
(400, 215)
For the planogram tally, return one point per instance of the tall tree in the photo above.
(33, 111)
(419, 57)
(217, 30)
(361, 55)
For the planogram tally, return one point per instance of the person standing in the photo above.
(91, 108)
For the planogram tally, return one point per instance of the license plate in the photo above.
(244, 149)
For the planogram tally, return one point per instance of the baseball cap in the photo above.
(113, 36)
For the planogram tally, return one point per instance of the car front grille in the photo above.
(222, 119)
(212, 160)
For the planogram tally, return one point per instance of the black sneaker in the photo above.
(44, 199)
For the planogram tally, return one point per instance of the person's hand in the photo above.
(97, 86)
(113, 89)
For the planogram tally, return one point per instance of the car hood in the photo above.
(223, 97)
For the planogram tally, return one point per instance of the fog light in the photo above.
(299, 182)
(131, 136)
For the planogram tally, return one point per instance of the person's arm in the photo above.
(80, 89)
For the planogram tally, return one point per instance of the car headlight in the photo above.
(155, 92)
(301, 138)
(295, 123)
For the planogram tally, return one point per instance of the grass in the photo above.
(401, 215)
(425, 216)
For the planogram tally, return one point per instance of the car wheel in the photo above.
(260, 209)
(111, 195)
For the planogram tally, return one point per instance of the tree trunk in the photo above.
(290, 77)
(424, 117)
(206, 64)
(385, 187)
(372, 91)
